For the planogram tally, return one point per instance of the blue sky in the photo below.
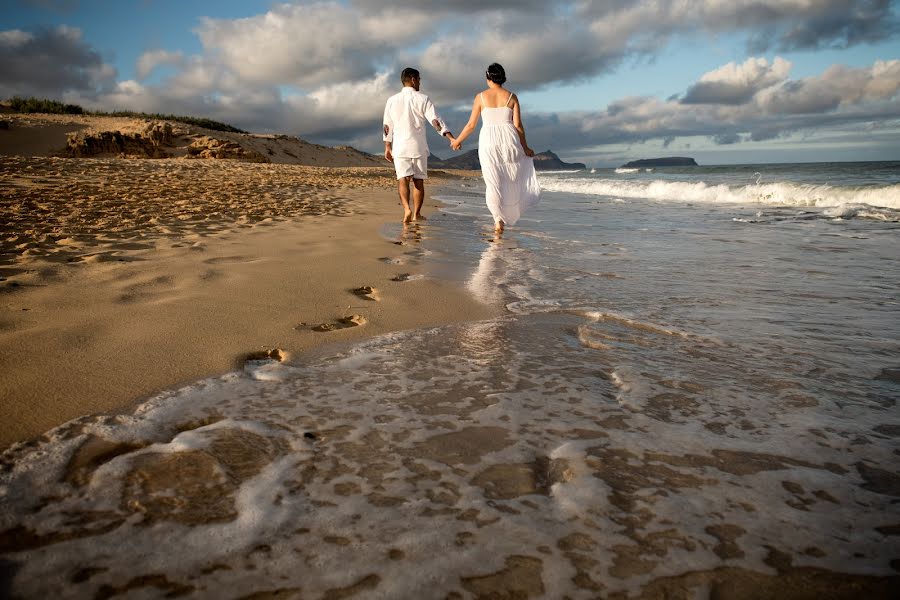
(600, 82)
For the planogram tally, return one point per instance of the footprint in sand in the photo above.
(131, 246)
(102, 257)
(229, 260)
(367, 292)
(342, 323)
(407, 277)
(275, 354)
(265, 365)
(211, 275)
(392, 260)
(148, 290)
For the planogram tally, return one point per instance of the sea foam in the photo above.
(783, 193)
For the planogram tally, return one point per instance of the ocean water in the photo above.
(691, 388)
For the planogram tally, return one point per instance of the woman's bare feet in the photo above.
(419, 217)
(498, 227)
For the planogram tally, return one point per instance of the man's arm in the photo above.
(435, 119)
(388, 133)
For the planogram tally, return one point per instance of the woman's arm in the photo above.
(520, 128)
(470, 126)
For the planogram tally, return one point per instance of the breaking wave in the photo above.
(782, 193)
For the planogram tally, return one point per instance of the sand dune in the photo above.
(94, 136)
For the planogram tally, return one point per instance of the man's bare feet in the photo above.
(407, 216)
(419, 218)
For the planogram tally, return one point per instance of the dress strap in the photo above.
(481, 95)
(508, 99)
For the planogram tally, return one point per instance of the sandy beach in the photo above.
(229, 371)
(123, 277)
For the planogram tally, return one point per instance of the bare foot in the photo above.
(407, 216)
(419, 218)
(498, 227)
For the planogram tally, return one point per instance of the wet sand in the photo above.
(121, 278)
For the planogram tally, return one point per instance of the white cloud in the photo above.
(309, 45)
(838, 86)
(754, 72)
(14, 37)
(148, 61)
(780, 24)
(357, 104)
(737, 83)
(839, 96)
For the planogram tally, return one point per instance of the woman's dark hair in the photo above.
(496, 74)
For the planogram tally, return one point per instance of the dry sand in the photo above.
(121, 278)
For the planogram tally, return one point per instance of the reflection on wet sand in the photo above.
(485, 281)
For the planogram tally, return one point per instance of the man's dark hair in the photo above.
(408, 74)
(496, 74)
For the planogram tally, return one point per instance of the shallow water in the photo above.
(678, 396)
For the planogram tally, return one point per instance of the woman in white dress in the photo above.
(506, 163)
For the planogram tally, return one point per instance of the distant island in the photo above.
(669, 161)
(545, 161)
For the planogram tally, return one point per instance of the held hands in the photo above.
(454, 143)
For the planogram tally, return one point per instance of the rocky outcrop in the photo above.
(146, 144)
(158, 140)
(669, 161)
(74, 136)
(205, 146)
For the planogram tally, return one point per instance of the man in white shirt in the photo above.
(405, 118)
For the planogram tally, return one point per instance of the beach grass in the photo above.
(45, 105)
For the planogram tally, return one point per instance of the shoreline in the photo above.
(169, 273)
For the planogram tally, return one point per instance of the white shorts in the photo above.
(417, 168)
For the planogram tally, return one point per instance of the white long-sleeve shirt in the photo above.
(405, 116)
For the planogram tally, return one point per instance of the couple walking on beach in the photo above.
(511, 185)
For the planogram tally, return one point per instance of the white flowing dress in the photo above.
(509, 178)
